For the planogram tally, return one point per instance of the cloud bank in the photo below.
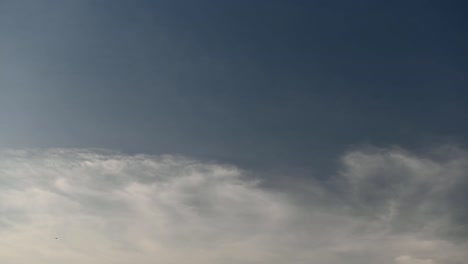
(84, 206)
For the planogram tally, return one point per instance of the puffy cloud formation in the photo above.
(85, 206)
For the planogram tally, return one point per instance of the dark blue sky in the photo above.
(263, 84)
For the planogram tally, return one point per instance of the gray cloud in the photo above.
(385, 206)
(405, 192)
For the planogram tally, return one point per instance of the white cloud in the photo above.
(388, 206)
(411, 260)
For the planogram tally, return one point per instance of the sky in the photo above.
(234, 131)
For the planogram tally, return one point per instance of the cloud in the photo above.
(411, 260)
(404, 192)
(85, 206)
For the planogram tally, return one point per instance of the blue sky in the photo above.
(236, 81)
(285, 90)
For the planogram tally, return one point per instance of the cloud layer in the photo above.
(84, 206)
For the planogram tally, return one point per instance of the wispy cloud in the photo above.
(84, 206)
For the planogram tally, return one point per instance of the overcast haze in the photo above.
(233, 131)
